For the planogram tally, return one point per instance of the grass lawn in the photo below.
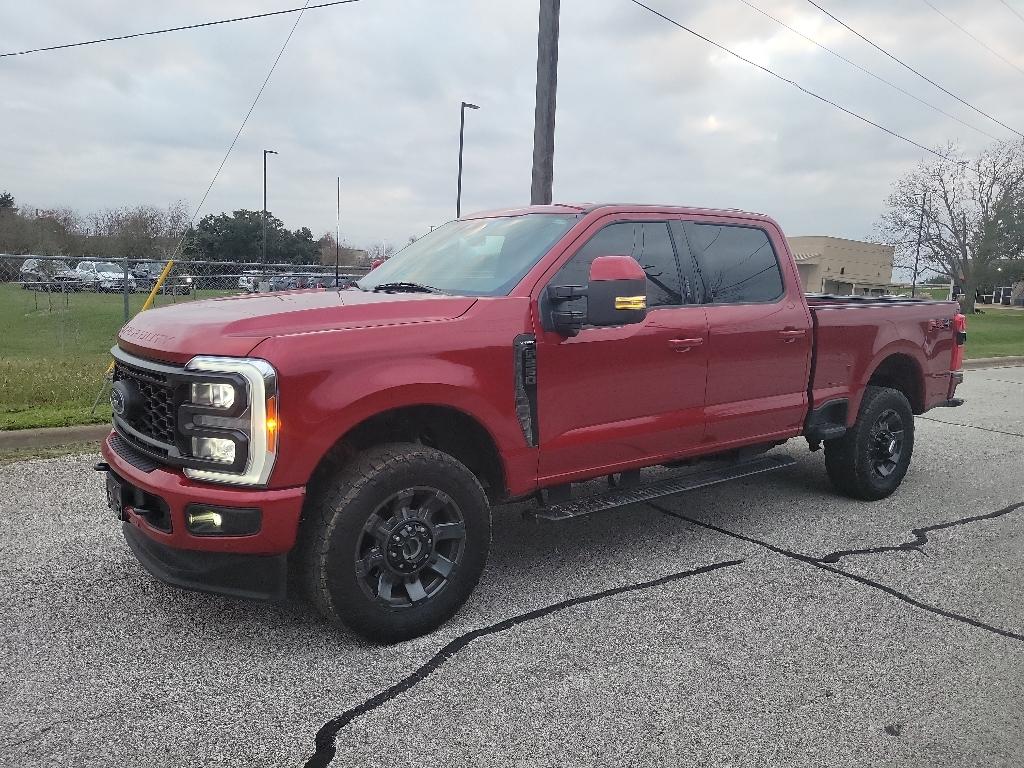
(54, 350)
(996, 333)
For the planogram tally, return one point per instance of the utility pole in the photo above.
(462, 130)
(544, 111)
(263, 261)
(917, 251)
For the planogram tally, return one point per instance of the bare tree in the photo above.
(969, 214)
(380, 251)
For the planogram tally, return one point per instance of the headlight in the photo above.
(219, 449)
(232, 419)
(213, 395)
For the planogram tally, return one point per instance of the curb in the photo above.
(993, 362)
(50, 437)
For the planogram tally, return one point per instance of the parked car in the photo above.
(329, 281)
(248, 280)
(39, 274)
(362, 443)
(147, 273)
(99, 276)
(281, 283)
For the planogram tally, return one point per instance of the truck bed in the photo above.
(878, 339)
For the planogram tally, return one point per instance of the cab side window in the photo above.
(737, 263)
(647, 242)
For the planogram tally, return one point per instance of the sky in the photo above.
(370, 91)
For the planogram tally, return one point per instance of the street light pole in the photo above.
(462, 131)
(263, 261)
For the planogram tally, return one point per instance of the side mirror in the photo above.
(617, 292)
(616, 295)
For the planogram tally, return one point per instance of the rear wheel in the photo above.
(394, 544)
(870, 461)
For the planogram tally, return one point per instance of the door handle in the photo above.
(791, 335)
(684, 345)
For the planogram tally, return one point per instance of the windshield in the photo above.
(107, 266)
(478, 257)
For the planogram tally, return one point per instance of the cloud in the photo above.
(371, 92)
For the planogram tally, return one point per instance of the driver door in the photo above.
(613, 398)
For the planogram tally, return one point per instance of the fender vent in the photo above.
(525, 346)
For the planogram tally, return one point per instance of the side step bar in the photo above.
(620, 497)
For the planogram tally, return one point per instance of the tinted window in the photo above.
(738, 264)
(647, 242)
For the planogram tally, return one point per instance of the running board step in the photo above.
(620, 497)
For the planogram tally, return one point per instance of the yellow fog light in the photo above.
(204, 520)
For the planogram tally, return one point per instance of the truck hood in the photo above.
(234, 325)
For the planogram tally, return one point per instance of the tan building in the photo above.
(835, 265)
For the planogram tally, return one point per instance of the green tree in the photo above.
(238, 237)
(7, 202)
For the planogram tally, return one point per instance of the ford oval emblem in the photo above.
(118, 398)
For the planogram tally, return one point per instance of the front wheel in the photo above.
(393, 545)
(870, 461)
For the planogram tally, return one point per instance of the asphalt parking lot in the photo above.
(765, 622)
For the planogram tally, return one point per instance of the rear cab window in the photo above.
(737, 263)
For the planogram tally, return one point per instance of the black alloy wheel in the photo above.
(393, 540)
(410, 547)
(887, 442)
(870, 461)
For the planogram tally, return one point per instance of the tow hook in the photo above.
(102, 467)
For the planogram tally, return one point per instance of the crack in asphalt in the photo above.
(920, 536)
(326, 737)
(817, 563)
(971, 426)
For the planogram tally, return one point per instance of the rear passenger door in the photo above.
(759, 332)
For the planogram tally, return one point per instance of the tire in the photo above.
(870, 461)
(393, 543)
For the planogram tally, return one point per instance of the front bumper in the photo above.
(259, 577)
(248, 566)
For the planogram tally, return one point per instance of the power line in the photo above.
(786, 80)
(980, 42)
(1013, 10)
(179, 29)
(866, 71)
(907, 66)
(245, 120)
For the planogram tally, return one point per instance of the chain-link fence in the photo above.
(59, 317)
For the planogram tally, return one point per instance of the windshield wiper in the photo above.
(405, 287)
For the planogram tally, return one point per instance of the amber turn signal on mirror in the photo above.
(631, 302)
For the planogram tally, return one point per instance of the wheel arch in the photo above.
(444, 427)
(901, 371)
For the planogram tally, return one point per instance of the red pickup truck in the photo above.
(357, 439)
